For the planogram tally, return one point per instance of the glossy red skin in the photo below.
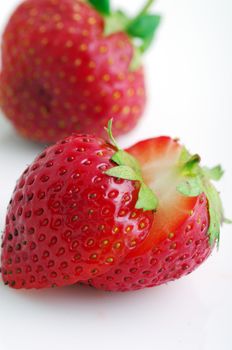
(67, 220)
(169, 258)
(60, 74)
(177, 243)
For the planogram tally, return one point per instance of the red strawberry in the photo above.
(83, 211)
(67, 65)
(186, 225)
(68, 220)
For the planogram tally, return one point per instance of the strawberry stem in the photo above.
(146, 7)
(109, 131)
(128, 168)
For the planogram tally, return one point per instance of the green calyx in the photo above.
(141, 29)
(103, 6)
(197, 180)
(128, 168)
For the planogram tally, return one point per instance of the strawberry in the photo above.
(186, 225)
(69, 64)
(88, 211)
(68, 220)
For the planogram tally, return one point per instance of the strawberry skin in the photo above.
(171, 256)
(88, 211)
(179, 239)
(67, 220)
(61, 74)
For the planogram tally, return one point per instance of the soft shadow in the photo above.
(84, 295)
(69, 293)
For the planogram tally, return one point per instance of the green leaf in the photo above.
(215, 211)
(188, 164)
(227, 221)
(102, 6)
(124, 158)
(191, 187)
(191, 165)
(147, 199)
(146, 44)
(215, 173)
(184, 157)
(129, 169)
(137, 58)
(197, 181)
(144, 26)
(116, 22)
(123, 172)
(215, 204)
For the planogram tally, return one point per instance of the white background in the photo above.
(190, 81)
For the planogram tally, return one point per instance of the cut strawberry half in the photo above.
(159, 159)
(186, 223)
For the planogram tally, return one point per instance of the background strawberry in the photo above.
(68, 220)
(186, 225)
(68, 65)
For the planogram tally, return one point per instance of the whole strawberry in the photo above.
(186, 226)
(68, 220)
(69, 64)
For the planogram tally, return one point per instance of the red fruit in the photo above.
(186, 224)
(67, 68)
(68, 220)
(84, 211)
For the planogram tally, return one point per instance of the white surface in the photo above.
(190, 80)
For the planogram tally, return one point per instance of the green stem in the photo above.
(146, 7)
(109, 130)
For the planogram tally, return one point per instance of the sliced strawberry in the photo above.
(86, 210)
(184, 229)
(158, 158)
